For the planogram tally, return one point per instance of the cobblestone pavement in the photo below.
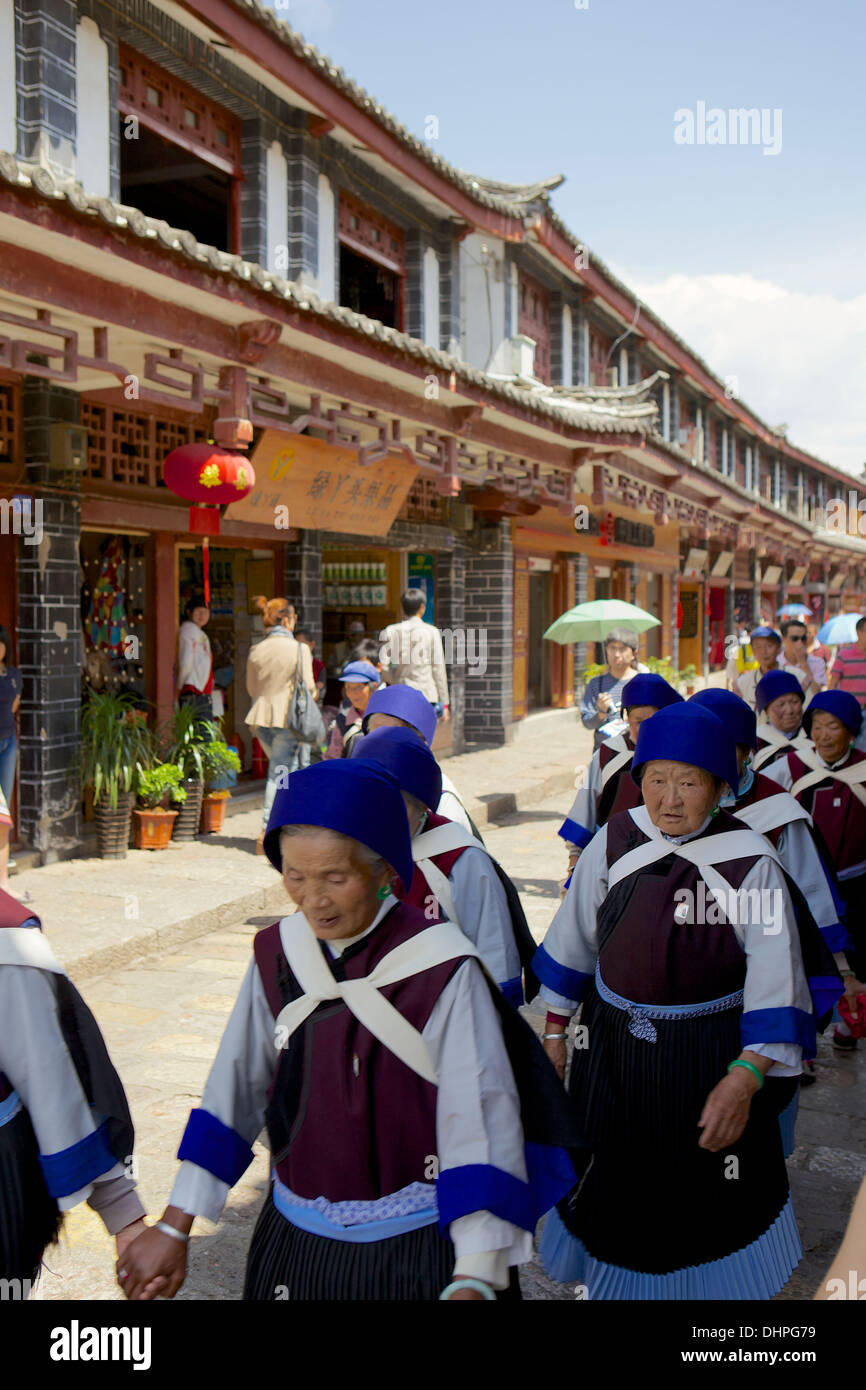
(163, 1016)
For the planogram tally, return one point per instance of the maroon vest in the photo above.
(644, 953)
(621, 792)
(838, 816)
(420, 890)
(346, 1118)
(762, 787)
(779, 753)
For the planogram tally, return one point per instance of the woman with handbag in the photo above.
(281, 685)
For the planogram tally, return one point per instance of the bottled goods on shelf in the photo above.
(355, 584)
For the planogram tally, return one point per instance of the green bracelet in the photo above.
(750, 1066)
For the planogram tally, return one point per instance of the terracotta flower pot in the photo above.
(112, 827)
(188, 812)
(213, 813)
(152, 829)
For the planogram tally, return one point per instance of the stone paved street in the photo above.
(162, 1017)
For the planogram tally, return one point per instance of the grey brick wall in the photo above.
(49, 633)
(45, 77)
(416, 244)
(581, 365)
(489, 605)
(449, 288)
(451, 613)
(303, 581)
(303, 161)
(556, 301)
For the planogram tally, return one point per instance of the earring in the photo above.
(383, 892)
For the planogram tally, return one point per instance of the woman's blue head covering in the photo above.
(840, 703)
(648, 688)
(359, 671)
(774, 684)
(735, 714)
(687, 734)
(407, 759)
(406, 703)
(352, 796)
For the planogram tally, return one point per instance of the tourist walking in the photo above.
(795, 652)
(413, 654)
(603, 694)
(274, 666)
(360, 679)
(766, 643)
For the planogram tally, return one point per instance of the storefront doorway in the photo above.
(540, 618)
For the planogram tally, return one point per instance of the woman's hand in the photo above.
(853, 989)
(555, 1050)
(123, 1239)
(726, 1110)
(603, 703)
(153, 1264)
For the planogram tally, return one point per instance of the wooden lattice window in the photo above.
(128, 447)
(423, 502)
(370, 234)
(9, 422)
(533, 319)
(171, 108)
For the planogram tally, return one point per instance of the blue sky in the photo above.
(757, 259)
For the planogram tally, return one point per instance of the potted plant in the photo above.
(221, 767)
(152, 822)
(183, 739)
(688, 676)
(115, 742)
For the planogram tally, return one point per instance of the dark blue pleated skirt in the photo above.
(286, 1263)
(29, 1218)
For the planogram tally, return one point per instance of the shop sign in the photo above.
(627, 532)
(614, 530)
(307, 483)
(420, 571)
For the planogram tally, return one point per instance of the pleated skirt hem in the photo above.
(757, 1272)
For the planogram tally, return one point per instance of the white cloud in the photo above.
(312, 18)
(798, 356)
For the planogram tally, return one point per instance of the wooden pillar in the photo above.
(165, 621)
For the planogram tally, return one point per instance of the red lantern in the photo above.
(209, 477)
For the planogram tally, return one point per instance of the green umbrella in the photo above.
(591, 622)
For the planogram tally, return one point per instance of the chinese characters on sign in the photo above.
(323, 486)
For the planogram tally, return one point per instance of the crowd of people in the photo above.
(710, 928)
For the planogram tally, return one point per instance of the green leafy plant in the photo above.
(115, 743)
(220, 761)
(664, 667)
(595, 668)
(156, 785)
(182, 740)
(688, 674)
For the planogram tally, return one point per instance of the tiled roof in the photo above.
(597, 417)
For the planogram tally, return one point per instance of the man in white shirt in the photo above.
(412, 653)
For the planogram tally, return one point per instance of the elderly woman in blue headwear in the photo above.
(402, 706)
(455, 876)
(678, 935)
(370, 1044)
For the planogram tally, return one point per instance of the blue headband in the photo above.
(401, 752)
(647, 688)
(355, 798)
(735, 714)
(840, 703)
(690, 735)
(775, 684)
(406, 703)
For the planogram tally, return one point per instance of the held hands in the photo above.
(152, 1264)
(726, 1110)
(603, 703)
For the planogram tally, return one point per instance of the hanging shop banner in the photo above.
(316, 486)
(421, 576)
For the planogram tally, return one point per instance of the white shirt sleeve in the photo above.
(571, 939)
(800, 859)
(482, 908)
(450, 806)
(775, 978)
(584, 809)
(477, 1117)
(235, 1092)
(780, 771)
(35, 1058)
